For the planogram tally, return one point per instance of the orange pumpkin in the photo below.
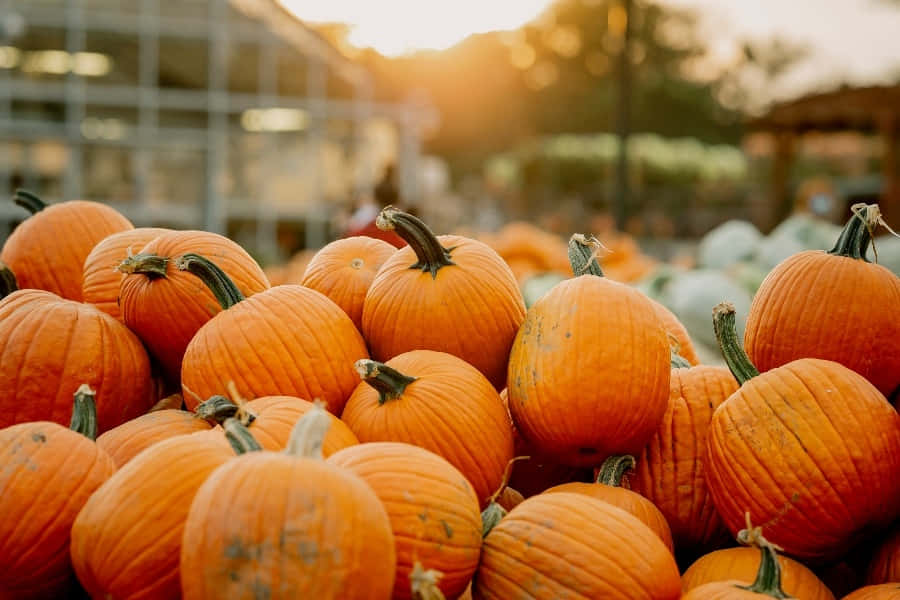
(885, 591)
(166, 306)
(282, 540)
(608, 489)
(811, 448)
(675, 328)
(432, 507)
(44, 340)
(47, 251)
(344, 269)
(129, 439)
(48, 472)
(885, 564)
(289, 340)
(100, 281)
(579, 397)
(853, 320)
(435, 400)
(568, 545)
(447, 293)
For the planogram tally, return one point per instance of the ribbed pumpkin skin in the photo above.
(673, 326)
(724, 590)
(589, 371)
(126, 441)
(344, 269)
(276, 417)
(289, 341)
(670, 470)
(853, 321)
(433, 511)
(47, 473)
(885, 564)
(47, 250)
(253, 532)
(127, 539)
(573, 546)
(742, 564)
(451, 410)
(811, 450)
(472, 309)
(166, 312)
(50, 346)
(885, 591)
(631, 502)
(100, 281)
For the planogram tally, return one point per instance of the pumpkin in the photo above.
(742, 564)
(47, 250)
(811, 448)
(437, 401)
(344, 269)
(126, 441)
(568, 545)
(164, 305)
(333, 538)
(100, 280)
(677, 331)
(670, 470)
(48, 473)
(853, 320)
(448, 293)
(432, 507)
(287, 341)
(126, 540)
(45, 340)
(885, 591)
(885, 564)
(608, 488)
(580, 398)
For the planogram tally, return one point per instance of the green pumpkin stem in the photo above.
(677, 361)
(430, 254)
(8, 283)
(84, 412)
(388, 382)
(490, 517)
(29, 201)
(309, 433)
(768, 577)
(240, 438)
(583, 252)
(613, 469)
(856, 235)
(726, 334)
(220, 284)
(151, 265)
(219, 409)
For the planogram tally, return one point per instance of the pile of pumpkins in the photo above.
(400, 426)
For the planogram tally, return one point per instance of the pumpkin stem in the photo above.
(726, 334)
(857, 233)
(84, 412)
(29, 201)
(154, 267)
(613, 469)
(240, 438)
(8, 283)
(424, 584)
(309, 433)
(388, 382)
(432, 256)
(768, 577)
(675, 359)
(220, 284)
(490, 517)
(220, 409)
(583, 252)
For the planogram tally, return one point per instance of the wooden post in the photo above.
(782, 202)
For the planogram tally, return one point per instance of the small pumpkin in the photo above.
(608, 488)
(48, 474)
(885, 564)
(344, 269)
(885, 591)
(435, 400)
(853, 320)
(47, 250)
(449, 294)
(567, 545)
(333, 538)
(129, 439)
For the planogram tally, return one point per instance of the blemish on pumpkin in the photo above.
(39, 437)
(234, 576)
(357, 263)
(447, 529)
(308, 551)
(423, 516)
(236, 550)
(568, 334)
(260, 590)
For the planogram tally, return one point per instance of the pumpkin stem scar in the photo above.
(424, 584)
(726, 333)
(583, 253)
(29, 201)
(430, 254)
(150, 265)
(84, 412)
(388, 382)
(218, 282)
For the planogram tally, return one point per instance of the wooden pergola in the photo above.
(872, 110)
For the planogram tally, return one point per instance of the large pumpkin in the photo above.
(573, 546)
(447, 293)
(589, 369)
(287, 341)
(129, 439)
(885, 591)
(165, 305)
(885, 564)
(101, 280)
(252, 531)
(48, 472)
(853, 320)
(811, 449)
(344, 269)
(441, 403)
(432, 507)
(46, 341)
(47, 251)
